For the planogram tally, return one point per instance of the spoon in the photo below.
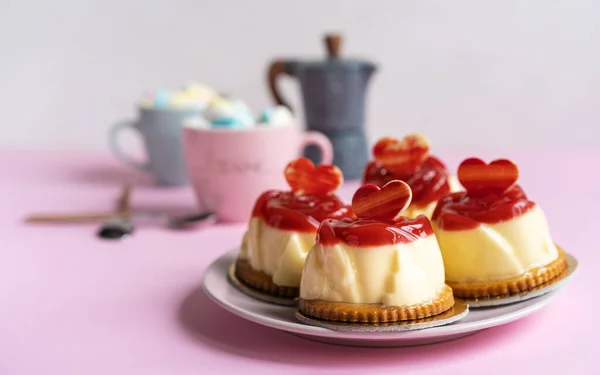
(121, 226)
(171, 221)
(189, 221)
(116, 228)
(122, 209)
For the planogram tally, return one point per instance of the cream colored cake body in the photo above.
(398, 275)
(415, 210)
(455, 185)
(498, 251)
(278, 253)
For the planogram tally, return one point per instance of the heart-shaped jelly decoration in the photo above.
(304, 178)
(478, 177)
(386, 203)
(401, 156)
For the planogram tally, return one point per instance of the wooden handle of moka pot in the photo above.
(276, 70)
(334, 45)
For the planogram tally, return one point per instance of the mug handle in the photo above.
(322, 142)
(113, 140)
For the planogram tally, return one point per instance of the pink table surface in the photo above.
(72, 304)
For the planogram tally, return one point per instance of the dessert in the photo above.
(283, 228)
(229, 113)
(495, 241)
(409, 160)
(378, 267)
(276, 115)
(191, 96)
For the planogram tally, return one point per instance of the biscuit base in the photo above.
(375, 313)
(513, 286)
(262, 282)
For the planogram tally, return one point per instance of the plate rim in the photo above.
(308, 330)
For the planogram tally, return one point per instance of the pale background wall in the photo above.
(486, 73)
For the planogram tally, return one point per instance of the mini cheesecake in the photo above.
(283, 227)
(409, 160)
(495, 242)
(379, 267)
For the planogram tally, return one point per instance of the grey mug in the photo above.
(161, 131)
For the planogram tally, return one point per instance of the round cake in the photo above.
(495, 241)
(409, 160)
(283, 227)
(379, 267)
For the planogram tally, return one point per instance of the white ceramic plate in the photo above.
(281, 317)
(457, 312)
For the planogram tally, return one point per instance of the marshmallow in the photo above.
(194, 96)
(243, 112)
(147, 101)
(275, 116)
(196, 122)
(218, 111)
(184, 100)
(233, 113)
(161, 99)
(227, 123)
(200, 91)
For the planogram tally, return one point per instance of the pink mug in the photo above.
(229, 168)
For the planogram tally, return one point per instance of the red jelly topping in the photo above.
(460, 211)
(303, 213)
(429, 182)
(368, 232)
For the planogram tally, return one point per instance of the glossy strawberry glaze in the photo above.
(460, 211)
(368, 232)
(301, 213)
(429, 182)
